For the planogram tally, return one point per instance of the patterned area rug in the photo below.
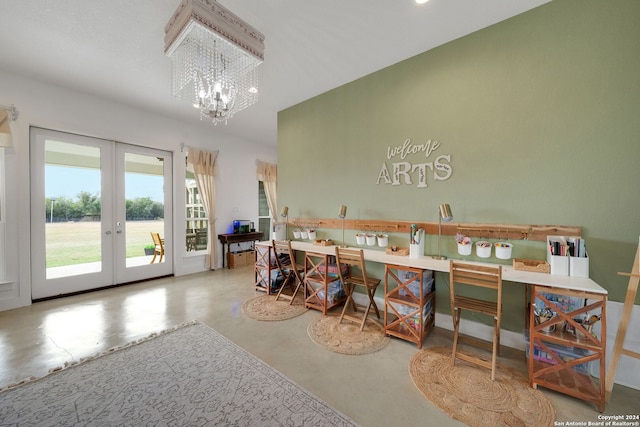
(466, 392)
(265, 307)
(189, 376)
(346, 337)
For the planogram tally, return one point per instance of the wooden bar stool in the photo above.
(476, 276)
(354, 258)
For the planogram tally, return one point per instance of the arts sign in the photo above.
(401, 171)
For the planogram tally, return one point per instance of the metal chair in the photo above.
(290, 271)
(472, 275)
(354, 258)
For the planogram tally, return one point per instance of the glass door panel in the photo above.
(71, 219)
(144, 183)
(73, 209)
(144, 194)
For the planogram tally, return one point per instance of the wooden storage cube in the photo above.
(323, 288)
(267, 278)
(570, 353)
(409, 302)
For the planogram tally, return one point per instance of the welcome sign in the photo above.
(400, 171)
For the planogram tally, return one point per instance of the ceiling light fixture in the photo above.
(421, 1)
(215, 56)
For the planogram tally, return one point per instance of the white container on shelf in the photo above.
(483, 249)
(296, 234)
(312, 234)
(304, 234)
(578, 265)
(503, 250)
(416, 250)
(383, 240)
(360, 239)
(465, 248)
(559, 264)
(371, 239)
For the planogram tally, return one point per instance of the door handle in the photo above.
(119, 231)
(107, 232)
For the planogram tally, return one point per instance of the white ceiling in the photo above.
(114, 48)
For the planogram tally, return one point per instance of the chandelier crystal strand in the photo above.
(213, 74)
(215, 56)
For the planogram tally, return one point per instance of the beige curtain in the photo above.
(5, 129)
(205, 171)
(268, 174)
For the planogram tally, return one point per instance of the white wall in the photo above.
(57, 108)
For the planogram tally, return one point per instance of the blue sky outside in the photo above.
(68, 182)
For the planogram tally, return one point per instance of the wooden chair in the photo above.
(292, 273)
(354, 258)
(476, 276)
(159, 247)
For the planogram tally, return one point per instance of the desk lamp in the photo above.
(285, 214)
(445, 215)
(342, 213)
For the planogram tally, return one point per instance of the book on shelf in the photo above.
(573, 246)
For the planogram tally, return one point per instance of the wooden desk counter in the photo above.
(508, 272)
(539, 373)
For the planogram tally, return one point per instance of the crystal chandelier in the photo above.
(214, 56)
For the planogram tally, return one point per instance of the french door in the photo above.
(94, 205)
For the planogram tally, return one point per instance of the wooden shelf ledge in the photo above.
(477, 230)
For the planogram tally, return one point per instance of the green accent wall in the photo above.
(540, 115)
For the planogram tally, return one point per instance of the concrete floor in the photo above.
(374, 389)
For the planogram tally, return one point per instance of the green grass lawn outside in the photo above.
(70, 243)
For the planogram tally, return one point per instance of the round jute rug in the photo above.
(265, 307)
(346, 337)
(466, 392)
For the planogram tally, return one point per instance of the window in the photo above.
(264, 214)
(197, 223)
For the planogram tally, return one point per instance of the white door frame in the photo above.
(112, 270)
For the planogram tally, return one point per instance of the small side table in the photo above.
(228, 239)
